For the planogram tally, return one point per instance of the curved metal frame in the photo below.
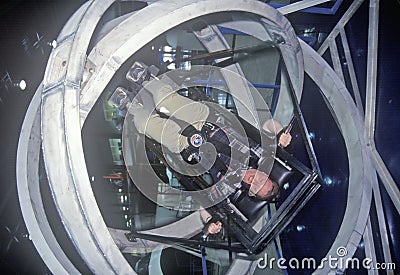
(28, 179)
(65, 98)
(360, 167)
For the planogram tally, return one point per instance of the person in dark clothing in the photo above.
(170, 134)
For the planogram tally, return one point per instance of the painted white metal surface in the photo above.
(65, 99)
(28, 179)
(300, 5)
(351, 126)
(61, 84)
(29, 194)
(63, 156)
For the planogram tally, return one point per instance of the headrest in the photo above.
(248, 206)
(280, 171)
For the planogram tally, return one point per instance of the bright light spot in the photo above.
(122, 199)
(53, 44)
(309, 30)
(171, 66)
(92, 178)
(152, 48)
(328, 181)
(120, 190)
(22, 85)
(311, 135)
(300, 228)
(164, 110)
(286, 186)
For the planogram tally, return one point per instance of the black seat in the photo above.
(250, 207)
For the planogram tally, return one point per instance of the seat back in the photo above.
(251, 207)
(280, 172)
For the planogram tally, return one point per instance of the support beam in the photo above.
(351, 70)
(300, 5)
(336, 60)
(382, 223)
(342, 22)
(370, 106)
(370, 247)
(351, 125)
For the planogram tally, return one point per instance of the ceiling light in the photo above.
(21, 85)
(53, 44)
